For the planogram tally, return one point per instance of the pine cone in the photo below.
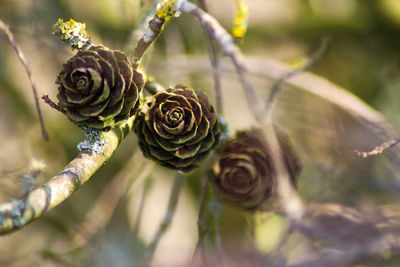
(99, 88)
(177, 128)
(243, 175)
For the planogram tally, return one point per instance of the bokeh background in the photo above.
(363, 58)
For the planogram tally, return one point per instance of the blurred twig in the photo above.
(201, 224)
(4, 27)
(214, 59)
(166, 222)
(145, 190)
(17, 213)
(100, 214)
(310, 61)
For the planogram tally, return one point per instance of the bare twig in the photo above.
(145, 190)
(4, 27)
(53, 105)
(201, 226)
(214, 59)
(166, 222)
(17, 213)
(377, 150)
(317, 55)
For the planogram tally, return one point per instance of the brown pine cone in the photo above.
(99, 88)
(242, 174)
(177, 128)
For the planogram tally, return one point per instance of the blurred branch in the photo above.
(230, 48)
(4, 27)
(100, 214)
(17, 213)
(166, 222)
(201, 224)
(310, 61)
(145, 190)
(356, 237)
(291, 202)
(214, 59)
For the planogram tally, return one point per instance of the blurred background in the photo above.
(99, 225)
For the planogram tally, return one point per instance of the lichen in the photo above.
(72, 33)
(168, 9)
(17, 213)
(94, 141)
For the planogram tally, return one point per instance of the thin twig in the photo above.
(145, 190)
(4, 27)
(166, 222)
(17, 213)
(217, 225)
(53, 105)
(317, 55)
(377, 150)
(201, 226)
(214, 59)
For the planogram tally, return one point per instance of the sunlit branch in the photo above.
(17, 213)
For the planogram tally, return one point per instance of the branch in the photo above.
(153, 30)
(201, 225)
(17, 213)
(321, 51)
(24, 62)
(214, 59)
(166, 222)
(230, 48)
(291, 202)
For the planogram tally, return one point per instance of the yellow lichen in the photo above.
(241, 19)
(167, 9)
(71, 32)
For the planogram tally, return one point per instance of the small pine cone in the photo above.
(99, 88)
(177, 128)
(242, 174)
